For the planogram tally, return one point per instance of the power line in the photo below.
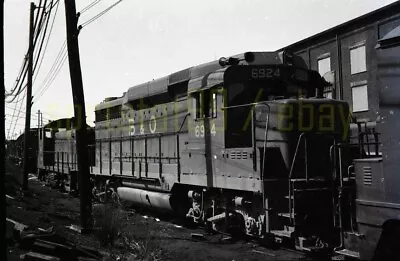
(54, 70)
(60, 65)
(39, 28)
(23, 66)
(14, 109)
(35, 116)
(51, 5)
(48, 38)
(38, 25)
(95, 2)
(46, 21)
(19, 111)
(91, 20)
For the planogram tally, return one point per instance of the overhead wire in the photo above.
(37, 29)
(37, 17)
(16, 116)
(48, 38)
(38, 25)
(54, 76)
(60, 59)
(43, 36)
(23, 66)
(95, 2)
(94, 18)
(43, 112)
(19, 82)
(51, 5)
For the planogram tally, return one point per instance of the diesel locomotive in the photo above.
(247, 144)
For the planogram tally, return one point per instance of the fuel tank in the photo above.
(151, 199)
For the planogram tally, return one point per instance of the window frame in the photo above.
(355, 47)
(359, 85)
(196, 105)
(324, 57)
(214, 104)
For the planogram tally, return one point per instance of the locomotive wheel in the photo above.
(113, 198)
(232, 224)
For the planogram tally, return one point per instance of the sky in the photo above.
(138, 41)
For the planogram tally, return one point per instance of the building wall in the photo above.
(335, 48)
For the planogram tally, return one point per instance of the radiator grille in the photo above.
(367, 176)
(238, 155)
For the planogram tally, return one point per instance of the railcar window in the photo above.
(101, 115)
(115, 112)
(214, 105)
(196, 105)
(205, 103)
(108, 113)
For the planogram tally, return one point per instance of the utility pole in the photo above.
(80, 113)
(28, 101)
(3, 254)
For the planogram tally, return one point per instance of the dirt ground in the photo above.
(138, 235)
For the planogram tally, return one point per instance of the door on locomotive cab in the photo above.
(202, 134)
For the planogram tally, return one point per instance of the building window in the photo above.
(324, 65)
(328, 94)
(358, 61)
(360, 98)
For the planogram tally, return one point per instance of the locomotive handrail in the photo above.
(264, 152)
(243, 105)
(295, 154)
(290, 175)
(140, 136)
(187, 114)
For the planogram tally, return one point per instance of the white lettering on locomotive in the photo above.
(153, 126)
(132, 126)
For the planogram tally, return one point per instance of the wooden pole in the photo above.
(80, 113)
(27, 139)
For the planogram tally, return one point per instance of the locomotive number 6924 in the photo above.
(262, 73)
